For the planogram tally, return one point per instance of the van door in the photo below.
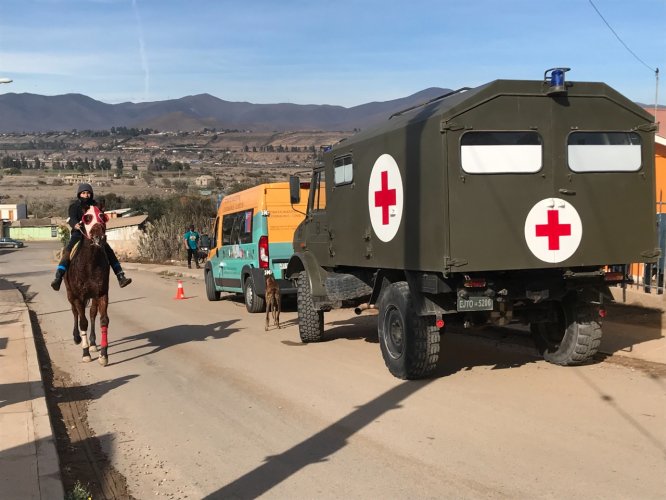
(237, 248)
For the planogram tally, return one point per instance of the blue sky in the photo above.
(342, 52)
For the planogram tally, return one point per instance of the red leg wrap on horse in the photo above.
(105, 341)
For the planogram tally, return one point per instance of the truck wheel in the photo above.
(253, 303)
(410, 345)
(211, 293)
(572, 339)
(310, 319)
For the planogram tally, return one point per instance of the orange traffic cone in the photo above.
(180, 293)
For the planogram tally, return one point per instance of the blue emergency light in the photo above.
(556, 82)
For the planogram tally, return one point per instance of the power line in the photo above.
(655, 70)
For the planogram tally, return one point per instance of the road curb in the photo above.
(41, 431)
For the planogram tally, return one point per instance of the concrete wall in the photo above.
(124, 241)
(44, 233)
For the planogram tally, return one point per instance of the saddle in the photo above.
(72, 253)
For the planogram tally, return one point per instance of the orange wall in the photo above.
(660, 174)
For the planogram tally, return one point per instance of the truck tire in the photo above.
(253, 303)
(409, 344)
(572, 339)
(310, 319)
(211, 293)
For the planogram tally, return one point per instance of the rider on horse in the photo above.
(84, 200)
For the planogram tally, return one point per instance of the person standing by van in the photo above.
(192, 245)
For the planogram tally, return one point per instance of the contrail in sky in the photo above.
(142, 51)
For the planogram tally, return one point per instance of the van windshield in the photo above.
(604, 151)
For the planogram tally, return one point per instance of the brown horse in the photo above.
(87, 280)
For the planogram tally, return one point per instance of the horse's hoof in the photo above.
(77, 340)
(86, 359)
(103, 360)
(93, 348)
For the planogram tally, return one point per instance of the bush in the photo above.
(163, 239)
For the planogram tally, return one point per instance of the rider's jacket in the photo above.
(77, 209)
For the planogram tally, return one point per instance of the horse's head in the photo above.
(94, 221)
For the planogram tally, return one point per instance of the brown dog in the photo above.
(273, 303)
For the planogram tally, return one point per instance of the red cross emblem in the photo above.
(385, 198)
(553, 230)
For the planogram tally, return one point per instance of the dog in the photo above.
(273, 302)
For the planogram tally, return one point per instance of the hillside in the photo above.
(37, 113)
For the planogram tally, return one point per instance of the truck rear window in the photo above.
(604, 151)
(501, 152)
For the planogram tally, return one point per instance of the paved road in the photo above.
(199, 400)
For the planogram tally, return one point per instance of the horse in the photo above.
(87, 280)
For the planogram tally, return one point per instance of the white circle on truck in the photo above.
(553, 230)
(385, 197)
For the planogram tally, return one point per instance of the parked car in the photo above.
(10, 243)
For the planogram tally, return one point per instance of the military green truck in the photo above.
(503, 203)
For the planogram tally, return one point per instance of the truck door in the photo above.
(317, 230)
(531, 186)
(498, 168)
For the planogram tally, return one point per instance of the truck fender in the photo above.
(383, 279)
(305, 261)
(424, 304)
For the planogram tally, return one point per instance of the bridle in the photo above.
(93, 217)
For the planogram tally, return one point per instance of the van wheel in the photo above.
(409, 343)
(253, 303)
(310, 319)
(572, 338)
(211, 293)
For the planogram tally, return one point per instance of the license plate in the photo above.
(282, 265)
(475, 304)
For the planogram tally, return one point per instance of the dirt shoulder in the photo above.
(80, 452)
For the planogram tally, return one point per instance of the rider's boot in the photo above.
(61, 269)
(123, 280)
(55, 284)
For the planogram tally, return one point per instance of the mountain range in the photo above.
(37, 113)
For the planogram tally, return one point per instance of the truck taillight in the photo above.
(263, 252)
(474, 283)
(614, 277)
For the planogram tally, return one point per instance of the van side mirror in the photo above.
(294, 189)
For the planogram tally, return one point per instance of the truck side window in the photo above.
(518, 152)
(343, 170)
(317, 199)
(604, 151)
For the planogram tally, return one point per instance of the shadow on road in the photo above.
(315, 449)
(157, 340)
(629, 325)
